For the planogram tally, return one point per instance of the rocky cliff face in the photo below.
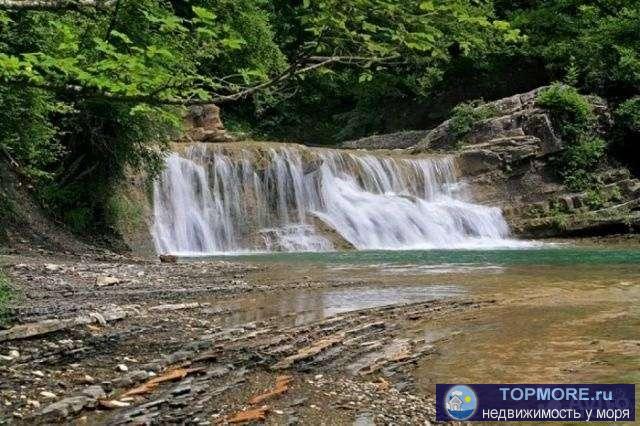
(507, 160)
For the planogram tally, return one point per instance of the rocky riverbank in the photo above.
(110, 340)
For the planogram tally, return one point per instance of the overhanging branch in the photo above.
(155, 98)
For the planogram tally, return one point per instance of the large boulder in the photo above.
(202, 123)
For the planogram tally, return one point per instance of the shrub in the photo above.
(5, 297)
(570, 111)
(628, 115)
(465, 115)
(594, 199)
(573, 116)
(580, 160)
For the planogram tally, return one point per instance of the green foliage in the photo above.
(6, 295)
(124, 213)
(558, 215)
(594, 199)
(108, 140)
(590, 45)
(596, 42)
(570, 110)
(580, 160)
(26, 132)
(465, 115)
(418, 41)
(573, 116)
(628, 115)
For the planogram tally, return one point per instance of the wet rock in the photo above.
(168, 258)
(94, 392)
(65, 407)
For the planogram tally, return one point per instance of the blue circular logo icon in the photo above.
(460, 402)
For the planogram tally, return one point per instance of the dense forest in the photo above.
(92, 88)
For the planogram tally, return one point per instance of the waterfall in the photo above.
(281, 197)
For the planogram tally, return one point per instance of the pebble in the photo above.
(38, 373)
(88, 379)
(102, 281)
(47, 394)
(14, 354)
(122, 367)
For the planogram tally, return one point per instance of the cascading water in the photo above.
(233, 198)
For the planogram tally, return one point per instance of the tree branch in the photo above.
(155, 98)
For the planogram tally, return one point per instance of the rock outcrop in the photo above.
(516, 122)
(398, 140)
(203, 124)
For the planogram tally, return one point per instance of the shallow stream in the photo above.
(562, 313)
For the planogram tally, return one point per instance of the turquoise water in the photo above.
(504, 257)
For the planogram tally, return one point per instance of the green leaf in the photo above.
(427, 6)
(364, 77)
(204, 14)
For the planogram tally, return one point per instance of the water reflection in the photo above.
(304, 306)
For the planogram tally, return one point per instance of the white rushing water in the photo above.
(235, 198)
